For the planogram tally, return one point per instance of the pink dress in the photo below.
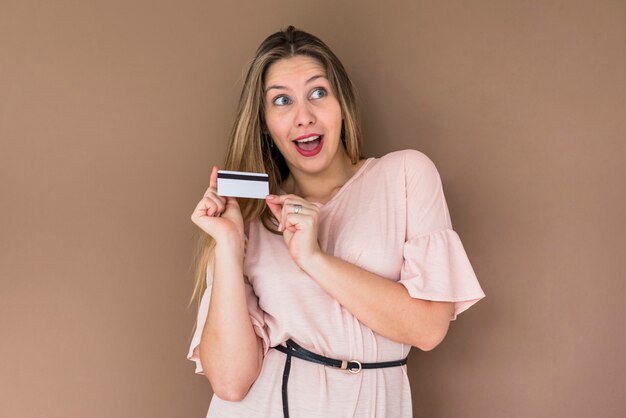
(390, 218)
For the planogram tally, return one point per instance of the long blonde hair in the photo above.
(249, 147)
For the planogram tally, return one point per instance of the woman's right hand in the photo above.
(219, 216)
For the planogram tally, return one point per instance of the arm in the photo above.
(381, 304)
(228, 328)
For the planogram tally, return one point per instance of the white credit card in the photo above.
(242, 184)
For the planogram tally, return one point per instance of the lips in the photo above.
(309, 145)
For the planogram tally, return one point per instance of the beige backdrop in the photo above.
(111, 114)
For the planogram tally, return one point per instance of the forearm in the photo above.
(228, 330)
(383, 305)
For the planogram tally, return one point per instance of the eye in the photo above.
(318, 93)
(281, 101)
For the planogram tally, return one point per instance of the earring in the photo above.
(342, 134)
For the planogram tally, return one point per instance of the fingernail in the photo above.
(270, 196)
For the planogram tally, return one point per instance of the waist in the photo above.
(352, 365)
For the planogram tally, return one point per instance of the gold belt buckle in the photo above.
(354, 370)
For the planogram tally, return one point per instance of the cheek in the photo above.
(333, 118)
(276, 123)
(276, 131)
(279, 134)
(333, 114)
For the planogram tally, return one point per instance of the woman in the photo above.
(315, 296)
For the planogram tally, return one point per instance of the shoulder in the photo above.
(412, 162)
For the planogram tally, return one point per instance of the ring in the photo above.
(297, 208)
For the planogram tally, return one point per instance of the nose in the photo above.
(305, 115)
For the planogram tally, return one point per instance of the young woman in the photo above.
(311, 299)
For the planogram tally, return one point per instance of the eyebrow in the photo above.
(278, 87)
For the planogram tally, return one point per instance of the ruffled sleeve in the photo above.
(436, 266)
(256, 317)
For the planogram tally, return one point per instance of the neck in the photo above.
(321, 187)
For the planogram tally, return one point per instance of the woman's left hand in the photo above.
(298, 221)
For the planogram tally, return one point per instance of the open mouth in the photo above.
(310, 145)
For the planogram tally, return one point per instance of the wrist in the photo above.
(231, 246)
(313, 263)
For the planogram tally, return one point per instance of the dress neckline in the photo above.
(347, 184)
(342, 189)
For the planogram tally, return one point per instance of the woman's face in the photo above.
(303, 115)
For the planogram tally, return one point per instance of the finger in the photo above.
(204, 208)
(285, 197)
(231, 204)
(213, 193)
(295, 200)
(296, 206)
(297, 221)
(217, 202)
(230, 201)
(291, 199)
(274, 205)
(284, 212)
(213, 180)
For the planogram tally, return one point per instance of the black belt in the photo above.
(352, 366)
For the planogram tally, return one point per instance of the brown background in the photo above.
(111, 114)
